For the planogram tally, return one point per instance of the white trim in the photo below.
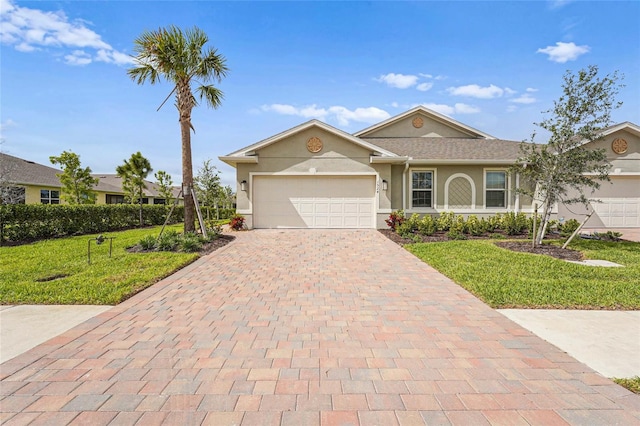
(246, 151)
(429, 113)
(244, 211)
(375, 159)
(446, 189)
(459, 162)
(384, 211)
(517, 202)
(615, 174)
(467, 211)
(506, 189)
(434, 188)
(231, 160)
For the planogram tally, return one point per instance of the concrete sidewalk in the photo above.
(23, 327)
(607, 341)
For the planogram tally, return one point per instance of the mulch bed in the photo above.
(207, 248)
(519, 246)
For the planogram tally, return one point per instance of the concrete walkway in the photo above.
(23, 327)
(304, 327)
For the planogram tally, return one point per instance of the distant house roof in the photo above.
(24, 172)
(451, 149)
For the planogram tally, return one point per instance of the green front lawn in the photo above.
(25, 270)
(506, 279)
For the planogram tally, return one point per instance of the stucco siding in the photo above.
(405, 128)
(626, 162)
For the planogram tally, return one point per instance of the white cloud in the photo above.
(78, 57)
(33, 29)
(511, 108)
(531, 89)
(458, 108)
(399, 81)
(6, 124)
(338, 113)
(508, 91)
(563, 52)
(395, 105)
(558, 4)
(475, 91)
(524, 99)
(423, 87)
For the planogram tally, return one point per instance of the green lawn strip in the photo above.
(633, 383)
(107, 281)
(506, 279)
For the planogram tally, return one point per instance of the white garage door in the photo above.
(313, 201)
(618, 212)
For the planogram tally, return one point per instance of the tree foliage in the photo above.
(564, 166)
(77, 182)
(180, 58)
(133, 172)
(208, 188)
(165, 185)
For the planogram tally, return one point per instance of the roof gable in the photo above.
(248, 154)
(424, 123)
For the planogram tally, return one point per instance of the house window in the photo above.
(421, 189)
(49, 196)
(114, 199)
(496, 189)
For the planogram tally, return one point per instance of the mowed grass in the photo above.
(506, 279)
(107, 281)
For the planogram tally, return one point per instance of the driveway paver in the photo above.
(306, 327)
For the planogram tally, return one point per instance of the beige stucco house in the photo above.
(33, 183)
(317, 176)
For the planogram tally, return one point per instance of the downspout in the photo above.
(404, 185)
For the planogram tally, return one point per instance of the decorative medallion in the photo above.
(619, 146)
(314, 144)
(417, 122)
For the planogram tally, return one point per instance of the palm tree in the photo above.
(133, 173)
(178, 57)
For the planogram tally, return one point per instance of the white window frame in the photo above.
(49, 198)
(507, 182)
(433, 189)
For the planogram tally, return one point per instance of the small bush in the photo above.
(148, 243)
(168, 241)
(453, 234)
(567, 228)
(396, 218)
(445, 220)
(475, 226)
(427, 226)
(514, 223)
(608, 236)
(190, 243)
(494, 223)
(237, 222)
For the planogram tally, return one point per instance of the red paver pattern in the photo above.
(305, 327)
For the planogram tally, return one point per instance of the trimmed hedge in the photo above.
(30, 222)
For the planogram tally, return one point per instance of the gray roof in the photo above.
(24, 172)
(424, 148)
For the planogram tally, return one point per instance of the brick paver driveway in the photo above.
(305, 328)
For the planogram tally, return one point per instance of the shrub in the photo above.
(475, 226)
(567, 228)
(494, 223)
(453, 234)
(445, 220)
(168, 241)
(514, 223)
(396, 218)
(31, 222)
(458, 225)
(608, 236)
(237, 222)
(148, 243)
(190, 242)
(427, 225)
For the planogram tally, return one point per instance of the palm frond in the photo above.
(211, 94)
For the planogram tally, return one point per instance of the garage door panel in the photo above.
(313, 202)
(618, 212)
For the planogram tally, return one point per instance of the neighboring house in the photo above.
(616, 203)
(317, 176)
(34, 183)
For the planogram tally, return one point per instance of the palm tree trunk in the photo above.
(187, 173)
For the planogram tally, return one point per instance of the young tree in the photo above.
(133, 173)
(208, 187)
(564, 166)
(179, 57)
(229, 197)
(165, 183)
(77, 182)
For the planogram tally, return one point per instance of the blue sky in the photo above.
(491, 65)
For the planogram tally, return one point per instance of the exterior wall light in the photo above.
(243, 185)
(385, 185)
